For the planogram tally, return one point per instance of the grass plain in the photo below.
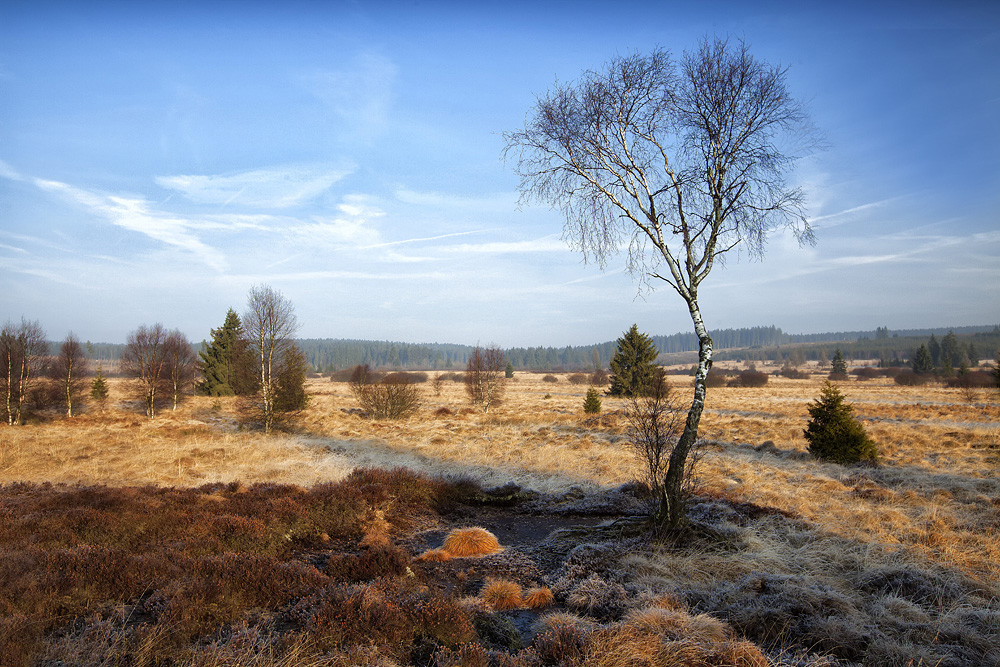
(807, 562)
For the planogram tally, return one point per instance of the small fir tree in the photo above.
(633, 365)
(833, 432)
(99, 388)
(592, 404)
(508, 372)
(839, 371)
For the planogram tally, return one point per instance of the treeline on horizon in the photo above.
(326, 355)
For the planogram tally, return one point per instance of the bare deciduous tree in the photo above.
(678, 162)
(22, 348)
(69, 371)
(485, 380)
(144, 359)
(268, 324)
(179, 364)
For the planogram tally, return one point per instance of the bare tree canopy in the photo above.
(269, 325)
(69, 370)
(180, 364)
(677, 161)
(22, 348)
(144, 359)
(485, 379)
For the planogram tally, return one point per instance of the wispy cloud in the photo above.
(135, 215)
(422, 239)
(841, 217)
(8, 172)
(360, 95)
(276, 187)
(551, 243)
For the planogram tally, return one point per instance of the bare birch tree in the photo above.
(22, 348)
(180, 364)
(269, 324)
(144, 359)
(679, 162)
(69, 371)
(485, 380)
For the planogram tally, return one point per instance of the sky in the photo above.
(157, 160)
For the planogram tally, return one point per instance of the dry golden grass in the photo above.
(936, 498)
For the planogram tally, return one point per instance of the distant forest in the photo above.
(747, 344)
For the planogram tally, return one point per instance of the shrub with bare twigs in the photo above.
(393, 397)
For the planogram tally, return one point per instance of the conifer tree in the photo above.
(633, 365)
(99, 387)
(922, 361)
(833, 432)
(217, 359)
(592, 403)
(839, 371)
(934, 347)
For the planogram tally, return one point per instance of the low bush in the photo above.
(716, 378)
(866, 373)
(908, 378)
(394, 397)
(793, 373)
(550, 378)
(413, 377)
(578, 378)
(749, 378)
(592, 403)
(973, 379)
(599, 378)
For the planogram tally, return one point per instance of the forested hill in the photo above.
(330, 354)
(333, 354)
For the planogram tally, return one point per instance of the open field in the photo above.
(866, 565)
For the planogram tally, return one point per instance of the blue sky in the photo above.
(155, 162)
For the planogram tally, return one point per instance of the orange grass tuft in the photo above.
(502, 595)
(433, 556)
(471, 542)
(537, 598)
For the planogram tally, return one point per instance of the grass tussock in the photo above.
(471, 543)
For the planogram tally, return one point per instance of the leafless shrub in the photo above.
(599, 378)
(578, 378)
(550, 378)
(749, 378)
(394, 397)
(484, 377)
(654, 423)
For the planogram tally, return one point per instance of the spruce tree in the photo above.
(833, 432)
(922, 361)
(217, 359)
(592, 403)
(99, 388)
(839, 371)
(633, 364)
(934, 347)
